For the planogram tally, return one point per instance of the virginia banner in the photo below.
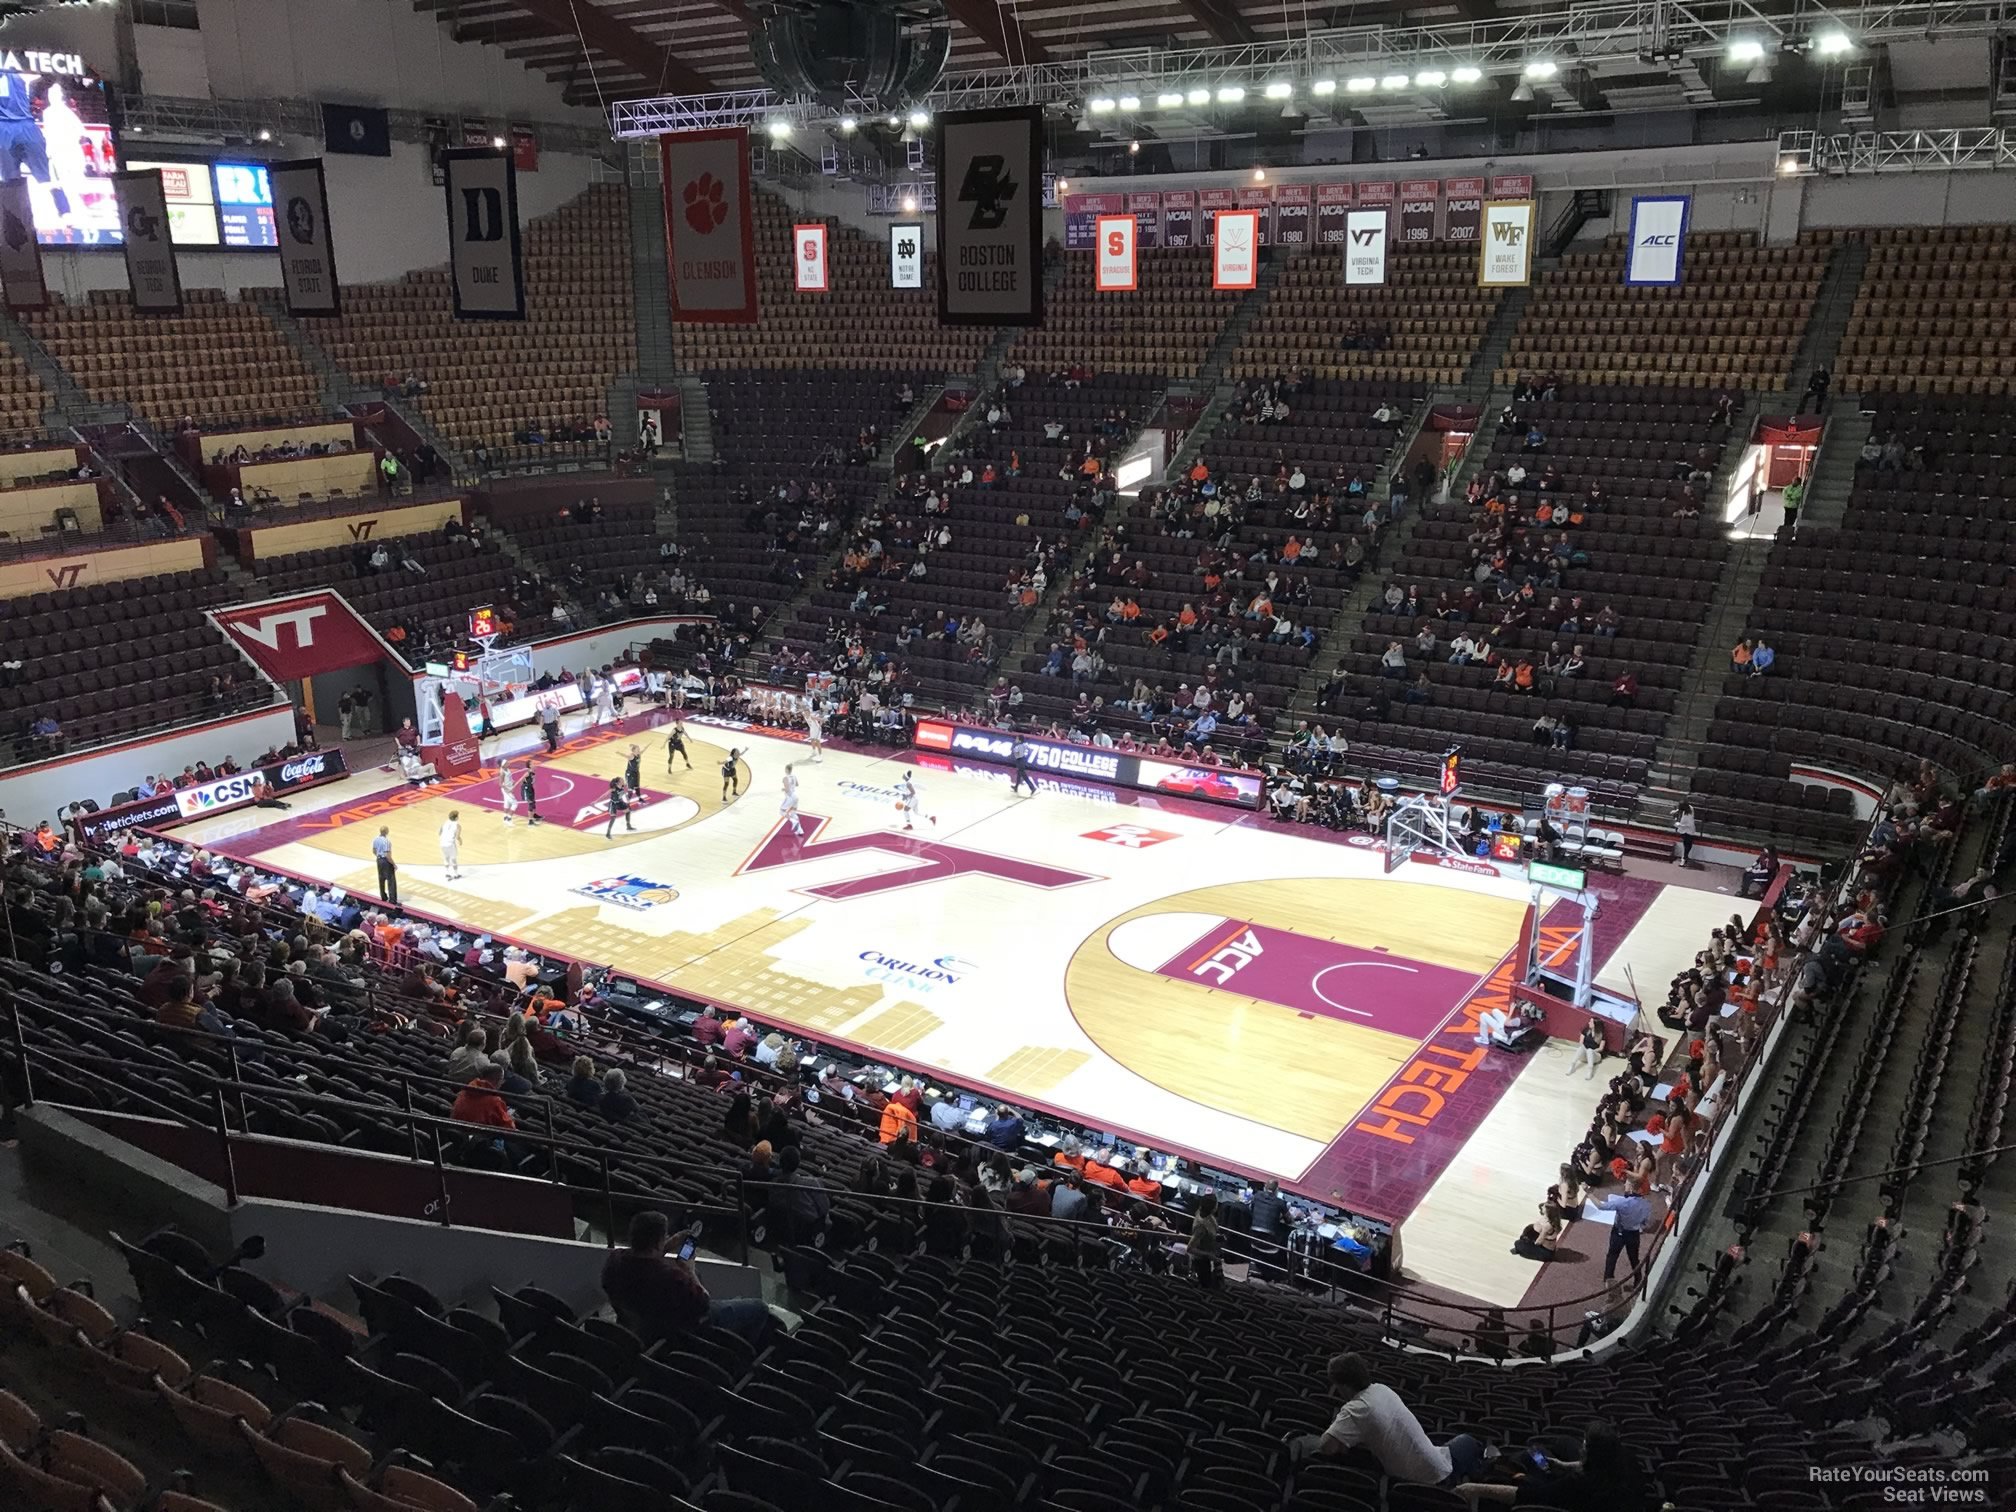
(1235, 249)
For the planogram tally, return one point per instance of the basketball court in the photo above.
(1192, 977)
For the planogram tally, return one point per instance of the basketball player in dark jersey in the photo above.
(528, 793)
(731, 776)
(675, 745)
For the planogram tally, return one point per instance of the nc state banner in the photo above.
(1658, 231)
(1115, 238)
(809, 257)
(710, 230)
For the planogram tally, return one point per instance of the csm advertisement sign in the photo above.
(305, 770)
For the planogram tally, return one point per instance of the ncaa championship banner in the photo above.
(1658, 230)
(307, 256)
(21, 275)
(710, 226)
(906, 256)
(486, 259)
(990, 216)
(1365, 237)
(1505, 251)
(150, 256)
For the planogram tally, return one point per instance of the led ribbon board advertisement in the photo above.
(1120, 768)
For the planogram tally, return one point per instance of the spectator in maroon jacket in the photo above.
(707, 1029)
(739, 1039)
(1624, 691)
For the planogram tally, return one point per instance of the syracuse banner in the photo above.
(307, 256)
(990, 216)
(150, 256)
(1505, 258)
(710, 228)
(301, 637)
(1235, 249)
(1658, 230)
(1116, 236)
(1365, 250)
(808, 244)
(486, 257)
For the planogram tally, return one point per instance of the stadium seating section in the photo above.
(222, 361)
(1933, 312)
(858, 322)
(437, 600)
(488, 379)
(1165, 326)
(21, 399)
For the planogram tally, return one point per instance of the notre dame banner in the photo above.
(484, 252)
(990, 216)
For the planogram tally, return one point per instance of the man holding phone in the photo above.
(659, 1295)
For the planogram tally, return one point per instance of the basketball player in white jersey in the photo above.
(451, 844)
(507, 789)
(910, 802)
(789, 806)
(605, 701)
(815, 730)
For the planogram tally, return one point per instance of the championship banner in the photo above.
(1179, 218)
(1114, 271)
(1418, 201)
(150, 255)
(1333, 204)
(1658, 232)
(301, 637)
(1505, 260)
(1365, 247)
(486, 258)
(710, 226)
(1260, 201)
(1210, 202)
(1463, 210)
(1385, 192)
(1081, 218)
(1147, 212)
(906, 256)
(1512, 186)
(1291, 215)
(1235, 249)
(20, 254)
(307, 256)
(990, 216)
(808, 257)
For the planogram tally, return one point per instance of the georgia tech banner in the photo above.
(1658, 230)
(150, 256)
(808, 246)
(990, 216)
(1505, 252)
(486, 259)
(307, 256)
(1116, 235)
(710, 226)
(1365, 237)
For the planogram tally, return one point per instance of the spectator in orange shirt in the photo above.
(1199, 473)
(898, 1122)
(481, 1103)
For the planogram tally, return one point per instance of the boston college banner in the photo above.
(150, 256)
(1463, 210)
(307, 255)
(808, 246)
(1658, 230)
(20, 254)
(710, 227)
(486, 260)
(1114, 271)
(990, 216)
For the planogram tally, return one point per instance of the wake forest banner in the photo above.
(990, 216)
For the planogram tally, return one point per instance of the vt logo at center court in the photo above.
(932, 861)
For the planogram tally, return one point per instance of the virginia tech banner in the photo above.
(1658, 231)
(307, 255)
(21, 274)
(486, 259)
(710, 226)
(1505, 256)
(990, 216)
(150, 256)
(300, 637)
(1366, 236)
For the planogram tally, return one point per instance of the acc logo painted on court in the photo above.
(629, 892)
(1229, 959)
(1131, 836)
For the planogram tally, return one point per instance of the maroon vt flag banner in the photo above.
(1147, 212)
(1179, 218)
(1291, 215)
(1418, 199)
(1333, 207)
(1464, 211)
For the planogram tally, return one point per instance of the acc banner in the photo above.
(1179, 218)
(20, 254)
(990, 216)
(1463, 211)
(307, 256)
(1291, 215)
(1235, 249)
(1147, 212)
(1365, 247)
(906, 256)
(1505, 260)
(808, 257)
(1658, 229)
(1114, 270)
(486, 259)
(1418, 198)
(303, 636)
(150, 256)
(710, 228)
(1333, 204)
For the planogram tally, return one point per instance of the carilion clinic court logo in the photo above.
(940, 973)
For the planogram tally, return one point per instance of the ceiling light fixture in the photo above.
(1130, 102)
(1393, 81)
(1280, 89)
(1259, 175)
(920, 119)
(779, 130)
(1833, 44)
(1431, 78)
(1324, 87)
(1230, 94)
(1133, 148)
(1199, 97)
(1542, 68)
(1361, 84)
(1523, 95)
(847, 124)
(1099, 106)
(1466, 74)
(1169, 101)
(1745, 50)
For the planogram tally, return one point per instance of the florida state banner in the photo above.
(307, 255)
(710, 226)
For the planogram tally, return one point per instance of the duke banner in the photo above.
(1658, 231)
(1333, 204)
(1505, 256)
(307, 255)
(1462, 209)
(1235, 249)
(1365, 247)
(1418, 199)
(710, 226)
(906, 256)
(486, 258)
(808, 257)
(1116, 236)
(990, 216)
(1179, 218)
(150, 256)
(20, 254)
